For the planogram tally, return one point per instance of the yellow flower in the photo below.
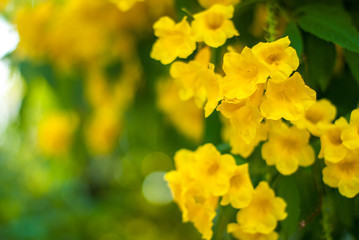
(241, 147)
(213, 26)
(213, 170)
(197, 80)
(350, 134)
(243, 74)
(174, 40)
(240, 191)
(262, 214)
(246, 121)
(209, 3)
(237, 231)
(184, 115)
(344, 174)
(281, 59)
(332, 148)
(287, 148)
(288, 99)
(55, 133)
(125, 5)
(319, 114)
(102, 131)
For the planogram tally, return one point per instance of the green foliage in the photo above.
(329, 22)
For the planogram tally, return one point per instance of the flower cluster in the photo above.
(340, 150)
(203, 176)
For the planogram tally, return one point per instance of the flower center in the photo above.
(214, 21)
(334, 137)
(213, 169)
(314, 116)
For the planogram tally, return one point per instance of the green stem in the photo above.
(271, 21)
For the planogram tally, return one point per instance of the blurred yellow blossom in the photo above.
(102, 131)
(55, 133)
(321, 113)
(262, 214)
(174, 40)
(350, 134)
(213, 26)
(332, 148)
(243, 73)
(240, 191)
(344, 174)
(237, 231)
(288, 99)
(209, 3)
(279, 57)
(287, 148)
(125, 5)
(185, 115)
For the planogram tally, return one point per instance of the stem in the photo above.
(271, 21)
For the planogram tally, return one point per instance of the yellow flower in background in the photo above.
(209, 3)
(213, 26)
(243, 74)
(288, 99)
(321, 113)
(197, 80)
(213, 170)
(350, 134)
(55, 133)
(344, 175)
(125, 5)
(237, 231)
(240, 191)
(102, 131)
(287, 148)
(332, 148)
(184, 115)
(279, 57)
(3, 4)
(262, 214)
(174, 40)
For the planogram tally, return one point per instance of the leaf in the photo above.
(295, 37)
(288, 190)
(329, 22)
(352, 59)
(320, 59)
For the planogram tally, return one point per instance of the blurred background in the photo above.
(89, 123)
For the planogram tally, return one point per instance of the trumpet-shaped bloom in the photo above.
(209, 3)
(246, 121)
(332, 147)
(344, 174)
(213, 26)
(320, 113)
(262, 214)
(237, 231)
(240, 191)
(350, 134)
(241, 147)
(281, 59)
(174, 40)
(287, 148)
(243, 74)
(288, 99)
(213, 169)
(197, 80)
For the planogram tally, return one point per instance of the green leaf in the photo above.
(295, 37)
(288, 190)
(320, 60)
(352, 59)
(331, 23)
